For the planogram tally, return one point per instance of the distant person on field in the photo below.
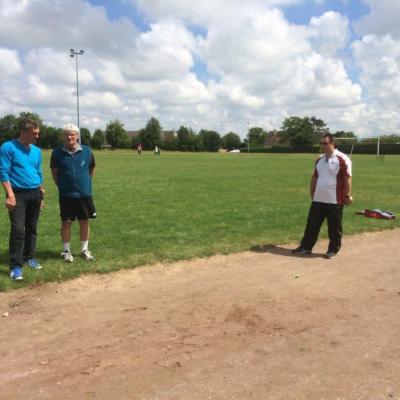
(330, 190)
(72, 167)
(22, 179)
(139, 149)
(157, 151)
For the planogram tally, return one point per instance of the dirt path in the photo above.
(255, 325)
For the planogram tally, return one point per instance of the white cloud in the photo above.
(383, 18)
(377, 59)
(331, 32)
(207, 12)
(249, 64)
(9, 62)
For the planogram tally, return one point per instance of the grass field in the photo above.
(184, 205)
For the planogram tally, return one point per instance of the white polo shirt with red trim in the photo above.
(331, 173)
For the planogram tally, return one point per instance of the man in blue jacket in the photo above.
(22, 179)
(72, 167)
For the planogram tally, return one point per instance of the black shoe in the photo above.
(300, 251)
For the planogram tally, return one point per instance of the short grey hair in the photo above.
(71, 128)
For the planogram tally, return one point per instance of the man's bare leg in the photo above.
(84, 234)
(66, 239)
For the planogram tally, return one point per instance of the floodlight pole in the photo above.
(248, 137)
(378, 151)
(75, 54)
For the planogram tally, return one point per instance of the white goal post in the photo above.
(355, 141)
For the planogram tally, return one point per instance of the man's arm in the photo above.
(5, 165)
(10, 200)
(92, 165)
(313, 185)
(347, 190)
(53, 167)
(347, 186)
(54, 174)
(40, 172)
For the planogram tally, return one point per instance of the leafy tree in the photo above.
(97, 139)
(391, 139)
(116, 135)
(85, 136)
(231, 141)
(9, 125)
(318, 127)
(8, 128)
(183, 139)
(50, 137)
(28, 114)
(257, 136)
(300, 132)
(196, 143)
(211, 140)
(56, 137)
(134, 142)
(150, 136)
(343, 134)
(170, 141)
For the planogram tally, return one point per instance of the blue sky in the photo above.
(301, 13)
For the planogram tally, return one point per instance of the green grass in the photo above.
(187, 205)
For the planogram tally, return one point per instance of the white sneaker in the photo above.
(67, 256)
(87, 255)
(329, 255)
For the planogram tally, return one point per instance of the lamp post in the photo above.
(75, 54)
(248, 137)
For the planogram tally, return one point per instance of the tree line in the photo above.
(295, 132)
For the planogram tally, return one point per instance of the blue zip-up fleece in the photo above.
(73, 171)
(21, 166)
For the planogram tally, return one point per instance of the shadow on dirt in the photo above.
(281, 251)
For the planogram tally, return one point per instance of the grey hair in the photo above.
(71, 128)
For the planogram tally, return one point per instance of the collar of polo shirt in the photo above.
(77, 148)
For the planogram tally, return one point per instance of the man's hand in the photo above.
(10, 203)
(42, 191)
(348, 200)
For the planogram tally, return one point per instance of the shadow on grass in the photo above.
(41, 255)
(4, 271)
(44, 255)
(281, 251)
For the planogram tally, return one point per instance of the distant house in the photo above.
(273, 138)
(132, 134)
(173, 133)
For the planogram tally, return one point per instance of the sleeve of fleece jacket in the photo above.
(5, 163)
(39, 167)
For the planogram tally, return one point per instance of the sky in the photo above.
(208, 64)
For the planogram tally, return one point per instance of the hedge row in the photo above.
(385, 149)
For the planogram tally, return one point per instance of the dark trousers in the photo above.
(24, 218)
(316, 216)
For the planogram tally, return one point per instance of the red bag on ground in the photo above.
(378, 214)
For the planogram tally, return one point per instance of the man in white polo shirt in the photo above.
(330, 190)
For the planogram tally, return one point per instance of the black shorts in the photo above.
(81, 209)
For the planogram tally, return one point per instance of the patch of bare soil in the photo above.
(255, 325)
